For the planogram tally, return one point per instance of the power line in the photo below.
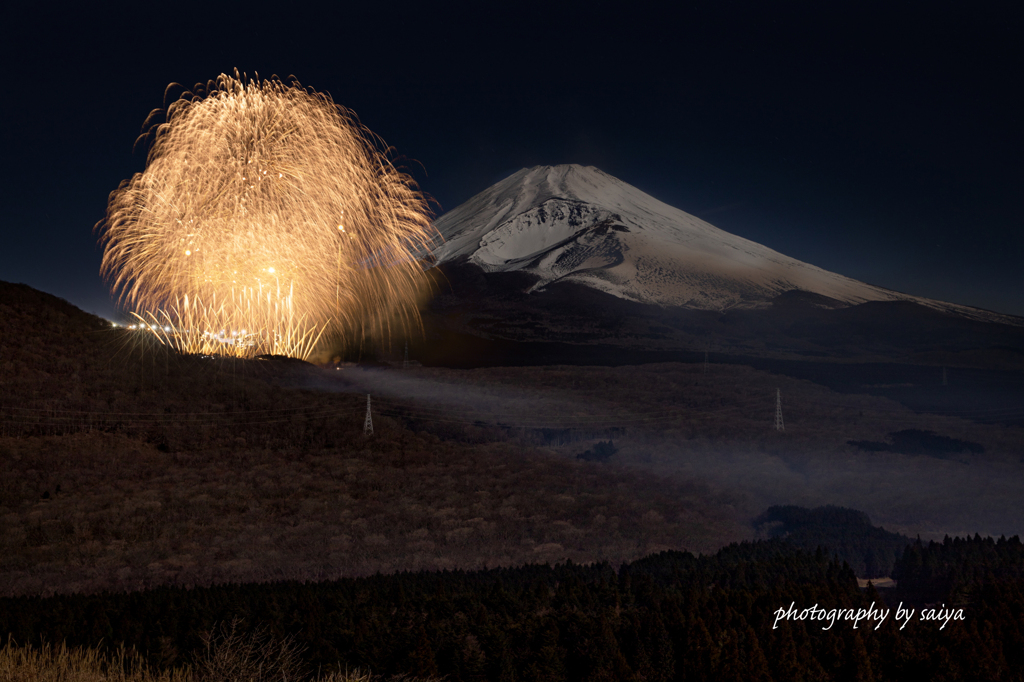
(779, 426)
(368, 423)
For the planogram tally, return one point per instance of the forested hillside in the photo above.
(124, 466)
(870, 551)
(671, 616)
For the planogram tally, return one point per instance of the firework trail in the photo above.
(267, 217)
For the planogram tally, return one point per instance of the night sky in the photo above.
(884, 144)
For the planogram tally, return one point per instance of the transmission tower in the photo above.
(405, 363)
(779, 426)
(368, 424)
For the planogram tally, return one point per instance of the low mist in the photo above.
(717, 429)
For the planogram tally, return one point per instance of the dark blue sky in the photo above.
(881, 141)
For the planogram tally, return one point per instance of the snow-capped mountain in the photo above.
(575, 223)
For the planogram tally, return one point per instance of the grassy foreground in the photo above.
(60, 664)
(229, 657)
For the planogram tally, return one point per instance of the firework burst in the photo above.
(267, 217)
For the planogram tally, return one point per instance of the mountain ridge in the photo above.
(578, 224)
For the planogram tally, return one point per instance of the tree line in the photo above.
(670, 616)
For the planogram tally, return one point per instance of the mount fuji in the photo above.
(567, 264)
(577, 224)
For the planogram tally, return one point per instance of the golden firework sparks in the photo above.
(267, 217)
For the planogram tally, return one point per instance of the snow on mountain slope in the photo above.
(576, 223)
